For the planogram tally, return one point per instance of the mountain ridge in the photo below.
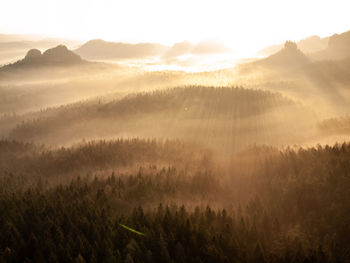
(57, 56)
(289, 56)
(101, 49)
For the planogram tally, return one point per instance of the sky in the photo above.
(243, 25)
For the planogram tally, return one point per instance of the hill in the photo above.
(52, 66)
(57, 56)
(215, 117)
(201, 48)
(338, 48)
(315, 82)
(308, 45)
(14, 47)
(61, 164)
(285, 204)
(289, 56)
(100, 49)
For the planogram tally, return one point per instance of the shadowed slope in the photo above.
(100, 49)
(215, 116)
(58, 56)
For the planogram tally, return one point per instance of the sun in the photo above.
(245, 26)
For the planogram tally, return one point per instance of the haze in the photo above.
(163, 132)
(245, 26)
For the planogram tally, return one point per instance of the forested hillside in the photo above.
(283, 206)
(30, 161)
(211, 116)
(174, 147)
(335, 126)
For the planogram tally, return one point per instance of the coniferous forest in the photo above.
(67, 205)
(191, 132)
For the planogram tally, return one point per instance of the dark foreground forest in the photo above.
(261, 205)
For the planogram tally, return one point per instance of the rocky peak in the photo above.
(290, 45)
(33, 53)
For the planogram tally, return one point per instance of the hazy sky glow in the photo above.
(242, 24)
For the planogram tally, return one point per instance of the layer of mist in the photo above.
(105, 160)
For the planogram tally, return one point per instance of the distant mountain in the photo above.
(14, 47)
(308, 45)
(313, 44)
(58, 56)
(323, 77)
(289, 56)
(340, 42)
(100, 49)
(338, 48)
(201, 48)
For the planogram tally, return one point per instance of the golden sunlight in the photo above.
(158, 131)
(245, 26)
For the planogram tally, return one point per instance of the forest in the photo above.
(211, 116)
(148, 152)
(276, 208)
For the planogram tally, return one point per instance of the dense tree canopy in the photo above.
(296, 209)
